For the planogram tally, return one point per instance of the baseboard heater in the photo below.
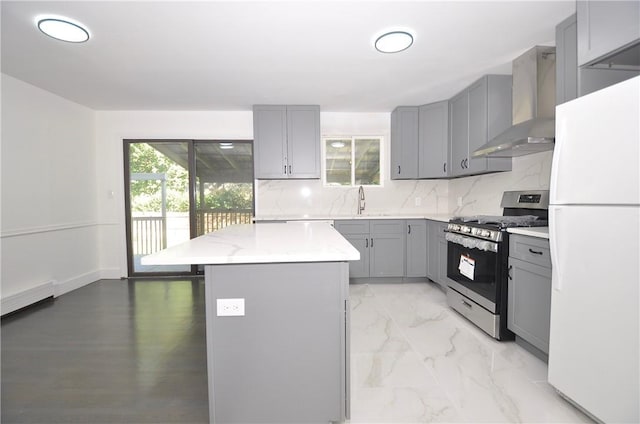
(27, 297)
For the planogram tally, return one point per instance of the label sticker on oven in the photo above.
(467, 266)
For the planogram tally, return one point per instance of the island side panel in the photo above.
(286, 359)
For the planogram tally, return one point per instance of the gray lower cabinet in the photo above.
(437, 253)
(404, 143)
(416, 250)
(605, 27)
(286, 360)
(286, 141)
(381, 244)
(433, 148)
(478, 114)
(529, 290)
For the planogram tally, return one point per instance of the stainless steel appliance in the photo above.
(477, 259)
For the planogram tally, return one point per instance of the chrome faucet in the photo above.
(361, 203)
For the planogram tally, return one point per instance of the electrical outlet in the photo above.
(230, 307)
(418, 201)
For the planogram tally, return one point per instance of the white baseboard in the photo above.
(76, 282)
(27, 297)
(111, 274)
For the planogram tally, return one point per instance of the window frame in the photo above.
(353, 139)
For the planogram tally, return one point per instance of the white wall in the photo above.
(49, 215)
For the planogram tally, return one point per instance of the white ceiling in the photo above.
(229, 55)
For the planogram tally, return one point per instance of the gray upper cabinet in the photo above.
(416, 257)
(286, 141)
(566, 60)
(605, 27)
(404, 143)
(433, 149)
(478, 114)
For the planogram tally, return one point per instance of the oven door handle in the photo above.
(471, 243)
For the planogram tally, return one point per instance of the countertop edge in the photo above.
(538, 232)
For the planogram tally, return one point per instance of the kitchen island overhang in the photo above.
(286, 359)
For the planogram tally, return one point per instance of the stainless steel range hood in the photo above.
(534, 103)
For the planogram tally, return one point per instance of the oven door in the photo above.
(474, 269)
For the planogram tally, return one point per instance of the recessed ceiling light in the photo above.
(337, 144)
(226, 145)
(393, 41)
(63, 29)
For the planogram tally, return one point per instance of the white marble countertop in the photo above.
(263, 243)
(540, 232)
(392, 215)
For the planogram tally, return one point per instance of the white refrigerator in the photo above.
(594, 232)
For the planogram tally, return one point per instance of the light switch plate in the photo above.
(230, 307)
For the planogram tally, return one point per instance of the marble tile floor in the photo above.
(414, 360)
(127, 351)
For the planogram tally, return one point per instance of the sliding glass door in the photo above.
(180, 189)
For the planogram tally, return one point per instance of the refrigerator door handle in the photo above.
(556, 280)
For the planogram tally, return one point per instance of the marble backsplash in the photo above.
(311, 198)
(462, 196)
(482, 194)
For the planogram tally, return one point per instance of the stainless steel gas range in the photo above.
(477, 259)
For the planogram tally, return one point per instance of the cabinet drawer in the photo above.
(352, 226)
(387, 226)
(530, 249)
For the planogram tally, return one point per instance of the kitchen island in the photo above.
(277, 316)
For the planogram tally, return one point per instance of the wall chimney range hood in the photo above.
(534, 103)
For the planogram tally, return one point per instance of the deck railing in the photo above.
(149, 233)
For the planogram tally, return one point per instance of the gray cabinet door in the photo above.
(416, 257)
(432, 251)
(359, 268)
(605, 26)
(303, 141)
(433, 149)
(529, 304)
(477, 125)
(459, 115)
(270, 141)
(566, 60)
(387, 244)
(437, 253)
(404, 142)
(442, 258)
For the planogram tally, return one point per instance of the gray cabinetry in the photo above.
(416, 251)
(286, 141)
(433, 148)
(478, 114)
(297, 314)
(437, 253)
(529, 290)
(404, 142)
(566, 60)
(381, 244)
(605, 27)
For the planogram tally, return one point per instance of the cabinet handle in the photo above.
(409, 232)
(289, 169)
(509, 272)
(462, 164)
(399, 170)
(444, 167)
(285, 170)
(535, 252)
(466, 163)
(371, 241)
(468, 305)
(366, 243)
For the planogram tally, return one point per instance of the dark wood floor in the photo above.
(115, 351)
